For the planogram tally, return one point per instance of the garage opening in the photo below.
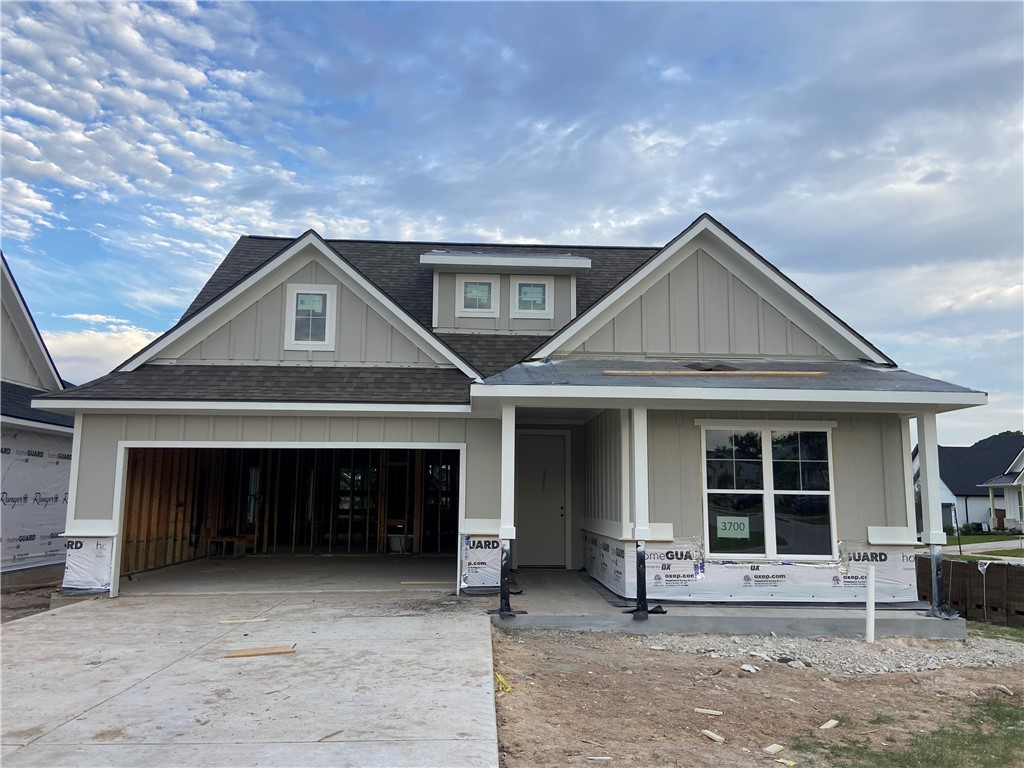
(184, 503)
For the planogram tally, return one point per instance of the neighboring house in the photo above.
(35, 445)
(963, 471)
(1011, 485)
(570, 404)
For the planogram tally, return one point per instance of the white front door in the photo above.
(540, 499)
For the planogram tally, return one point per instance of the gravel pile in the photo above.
(846, 655)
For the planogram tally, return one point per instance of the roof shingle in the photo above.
(279, 384)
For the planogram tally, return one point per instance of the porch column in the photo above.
(641, 504)
(508, 473)
(908, 475)
(641, 509)
(507, 531)
(931, 504)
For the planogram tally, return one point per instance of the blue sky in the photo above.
(872, 151)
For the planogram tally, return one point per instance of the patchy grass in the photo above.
(981, 629)
(978, 538)
(1003, 552)
(882, 719)
(989, 738)
(966, 558)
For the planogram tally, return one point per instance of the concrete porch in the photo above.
(552, 598)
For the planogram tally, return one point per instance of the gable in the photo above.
(706, 293)
(701, 307)
(23, 355)
(251, 327)
(16, 363)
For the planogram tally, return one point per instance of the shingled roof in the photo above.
(963, 469)
(394, 267)
(277, 384)
(16, 403)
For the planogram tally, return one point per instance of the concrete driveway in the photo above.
(375, 680)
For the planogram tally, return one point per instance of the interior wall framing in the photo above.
(353, 498)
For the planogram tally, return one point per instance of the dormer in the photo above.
(506, 293)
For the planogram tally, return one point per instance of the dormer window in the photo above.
(310, 317)
(477, 296)
(531, 297)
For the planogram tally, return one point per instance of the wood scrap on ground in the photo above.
(274, 650)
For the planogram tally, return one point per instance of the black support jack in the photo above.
(504, 609)
(641, 611)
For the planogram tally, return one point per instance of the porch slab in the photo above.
(559, 599)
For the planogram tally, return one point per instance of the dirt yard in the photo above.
(567, 687)
(16, 602)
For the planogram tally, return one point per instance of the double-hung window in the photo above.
(768, 491)
(310, 317)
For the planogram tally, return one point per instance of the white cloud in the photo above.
(918, 292)
(675, 74)
(82, 356)
(97, 319)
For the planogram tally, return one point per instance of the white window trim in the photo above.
(294, 289)
(768, 490)
(549, 294)
(460, 296)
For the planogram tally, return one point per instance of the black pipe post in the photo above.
(641, 611)
(504, 608)
(940, 608)
(640, 614)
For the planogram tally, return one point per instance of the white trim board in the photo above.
(581, 395)
(314, 240)
(262, 408)
(451, 262)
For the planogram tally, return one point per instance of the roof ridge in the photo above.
(464, 244)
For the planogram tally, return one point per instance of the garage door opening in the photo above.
(345, 501)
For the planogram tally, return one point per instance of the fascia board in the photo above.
(28, 327)
(1017, 465)
(313, 239)
(10, 421)
(941, 400)
(467, 261)
(260, 408)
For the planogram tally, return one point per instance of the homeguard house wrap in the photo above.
(35, 445)
(341, 396)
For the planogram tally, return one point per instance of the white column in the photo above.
(641, 499)
(508, 472)
(625, 473)
(908, 475)
(931, 503)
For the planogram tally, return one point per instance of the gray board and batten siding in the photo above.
(15, 360)
(251, 327)
(867, 463)
(702, 307)
(101, 434)
(448, 320)
(867, 460)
